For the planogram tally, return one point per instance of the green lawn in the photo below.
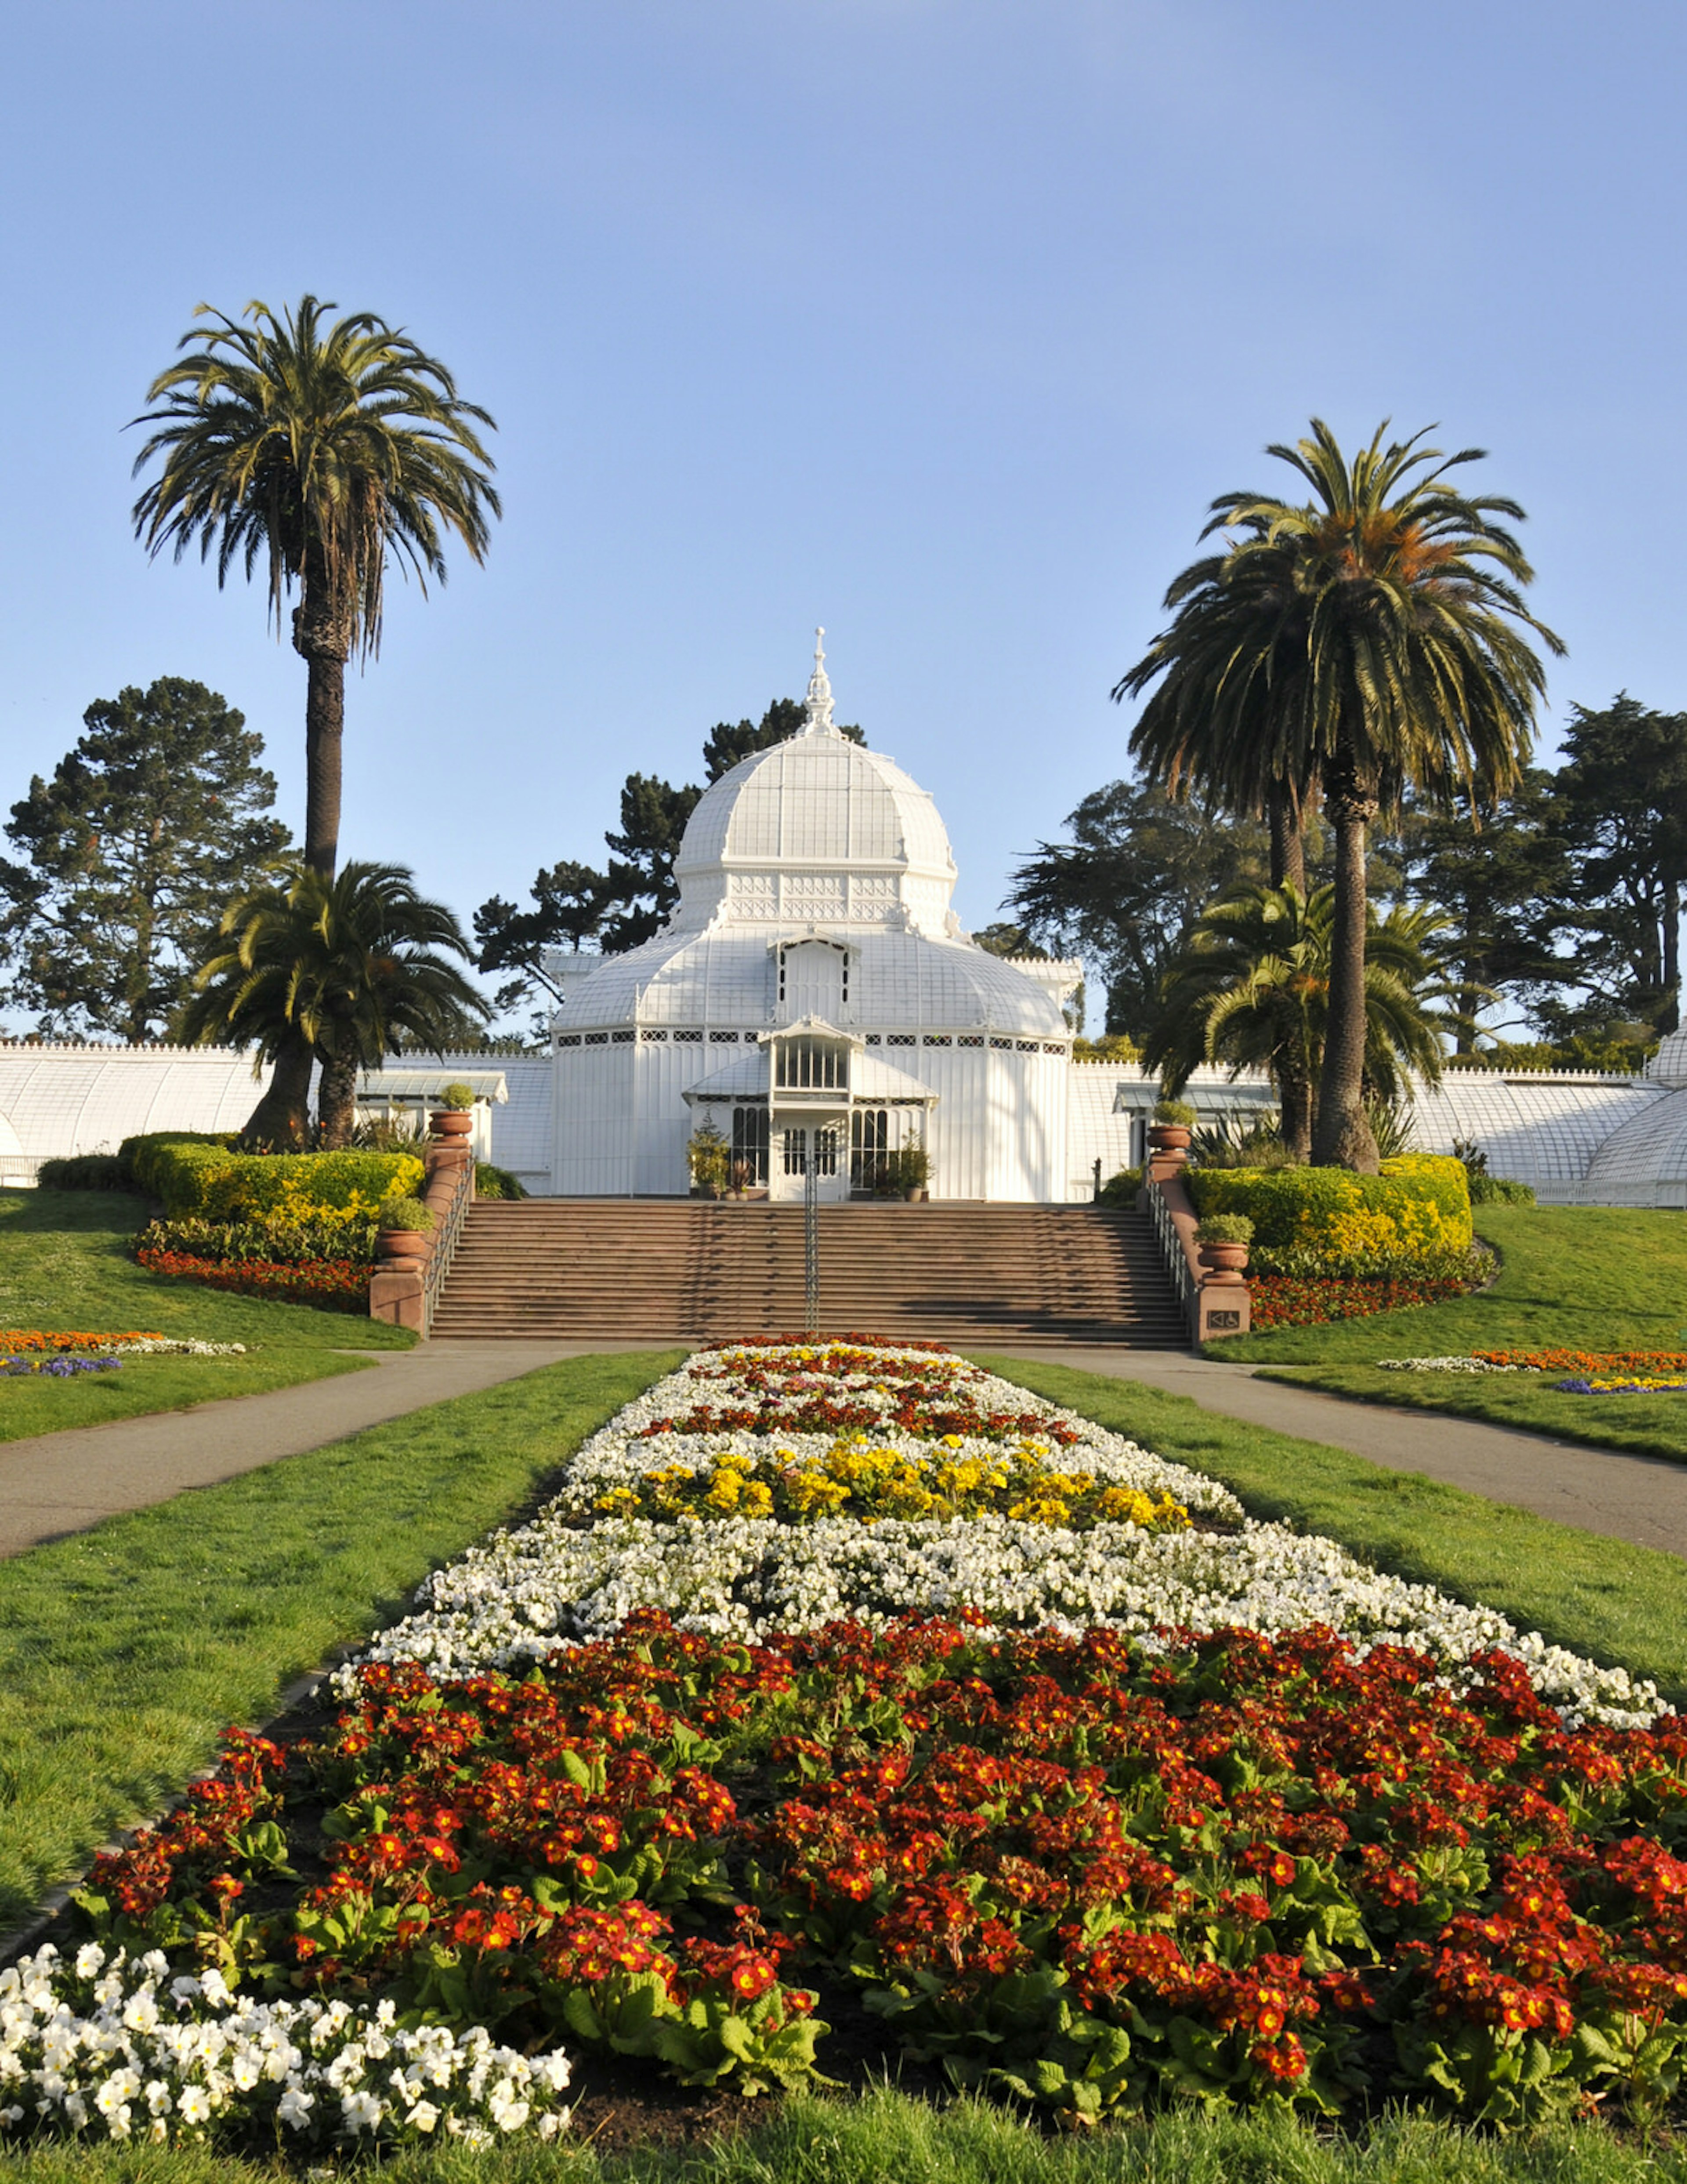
(885, 2137)
(64, 1264)
(125, 1650)
(1651, 1425)
(1619, 1604)
(1591, 1278)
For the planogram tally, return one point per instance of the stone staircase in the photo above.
(669, 1270)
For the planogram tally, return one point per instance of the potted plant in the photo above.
(709, 1157)
(913, 1171)
(1168, 1131)
(738, 1179)
(454, 1118)
(1224, 1239)
(404, 1223)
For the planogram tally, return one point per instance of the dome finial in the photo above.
(819, 721)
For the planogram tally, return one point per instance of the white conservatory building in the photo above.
(814, 997)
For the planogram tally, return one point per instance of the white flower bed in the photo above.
(521, 1594)
(1443, 1365)
(185, 1346)
(114, 2048)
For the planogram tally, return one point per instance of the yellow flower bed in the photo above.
(866, 1480)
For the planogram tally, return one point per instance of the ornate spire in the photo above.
(819, 721)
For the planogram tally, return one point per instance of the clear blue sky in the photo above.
(938, 322)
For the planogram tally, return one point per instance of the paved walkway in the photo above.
(1641, 1498)
(64, 1482)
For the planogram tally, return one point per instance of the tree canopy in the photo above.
(126, 856)
(349, 965)
(1369, 639)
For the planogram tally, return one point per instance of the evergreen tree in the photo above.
(1622, 804)
(126, 857)
(1123, 893)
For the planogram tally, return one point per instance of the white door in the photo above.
(794, 1146)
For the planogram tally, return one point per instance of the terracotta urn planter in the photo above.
(1168, 1138)
(402, 1243)
(452, 1121)
(1224, 1262)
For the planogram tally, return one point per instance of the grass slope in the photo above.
(1619, 1604)
(1649, 1425)
(885, 2137)
(125, 1651)
(65, 1263)
(1593, 1278)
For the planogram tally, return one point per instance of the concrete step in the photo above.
(670, 1270)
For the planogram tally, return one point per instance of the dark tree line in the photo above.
(1565, 895)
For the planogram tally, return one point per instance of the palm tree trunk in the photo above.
(1294, 1099)
(1287, 839)
(322, 637)
(1670, 1019)
(336, 1100)
(281, 1121)
(1342, 1138)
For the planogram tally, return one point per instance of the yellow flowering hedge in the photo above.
(1309, 1220)
(205, 1177)
(868, 1480)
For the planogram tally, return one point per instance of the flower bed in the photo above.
(1652, 1386)
(55, 1369)
(1294, 1300)
(1588, 1361)
(1079, 1809)
(341, 1285)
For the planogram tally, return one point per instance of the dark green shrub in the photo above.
(1121, 1190)
(1178, 1113)
(85, 1172)
(492, 1182)
(1498, 1190)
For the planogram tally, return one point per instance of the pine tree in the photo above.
(126, 857)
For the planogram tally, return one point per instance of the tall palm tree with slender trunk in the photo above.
(321, 448)
(342, 964)
(1371, 637)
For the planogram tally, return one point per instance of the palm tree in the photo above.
(1370, 637)
(322, 449)
(1250, 989)
(341, 966)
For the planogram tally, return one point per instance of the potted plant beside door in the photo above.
(708, 1156)
(913, 1171)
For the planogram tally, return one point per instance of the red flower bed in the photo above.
(339, 1283)
(1066, 1869)
(1292, 1300)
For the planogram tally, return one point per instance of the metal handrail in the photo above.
(445, 1242)
(1171, 1247)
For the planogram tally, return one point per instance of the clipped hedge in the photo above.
(1416, 1212)
(195, 1176)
